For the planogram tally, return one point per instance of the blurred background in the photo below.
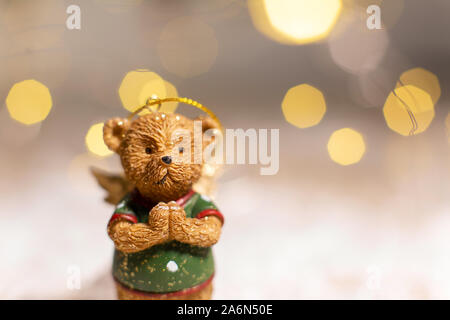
(360, 206)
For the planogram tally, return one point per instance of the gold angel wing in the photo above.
(116, 185)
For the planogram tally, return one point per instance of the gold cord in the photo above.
(157, 101)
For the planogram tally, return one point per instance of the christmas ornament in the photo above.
(162, 229)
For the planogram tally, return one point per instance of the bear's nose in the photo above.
(167, 159)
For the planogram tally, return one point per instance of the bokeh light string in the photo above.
(408, 109)
(412, 109)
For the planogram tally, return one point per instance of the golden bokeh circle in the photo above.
(346, 146)
(94, 141)
(29, 102)
(295, 21)
(138, 86)
(408, 110)
(303, 106)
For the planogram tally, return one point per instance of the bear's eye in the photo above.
(180, 149)
(148, 150)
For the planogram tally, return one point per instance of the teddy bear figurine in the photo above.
(162, 230)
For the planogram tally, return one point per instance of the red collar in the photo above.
(138, 198)
(182, 201)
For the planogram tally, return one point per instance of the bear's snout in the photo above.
(167, 159)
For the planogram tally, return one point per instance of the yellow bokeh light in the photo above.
(295, 21)
(303, 106)
(187, 47)
(29, 102)
(422, 79)
(139, 85)
(408, 110)
(94, 141)
(346, 146)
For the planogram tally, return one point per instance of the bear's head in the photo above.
(157, 152)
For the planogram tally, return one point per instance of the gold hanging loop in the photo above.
(156, 101)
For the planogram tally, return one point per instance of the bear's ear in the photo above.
(114, 131)
(207, 123)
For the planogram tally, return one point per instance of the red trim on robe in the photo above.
(182, 201)
(210, 212)
(126, 216)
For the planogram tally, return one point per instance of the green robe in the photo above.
(167, 267)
